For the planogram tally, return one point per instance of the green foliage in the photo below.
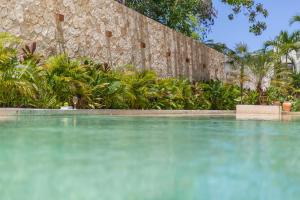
(250, 97)
(296, 105)
(66, 78)
(16, 89)
(8, 51)
(274, 94)
(296, 80)
(220, 96)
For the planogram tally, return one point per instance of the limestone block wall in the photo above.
(109, 33)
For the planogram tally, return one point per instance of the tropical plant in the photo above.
(284, 44)
(8, 51)
(274, 94)
(296, 105)
(296, 80)
(67, 78)
(239, 59)
(250, 97)
(295, 19)
(173, 94)
(261, 67)
(16, 89)
(220, 96)
(29, 54)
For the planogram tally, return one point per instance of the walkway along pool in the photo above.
(148, 158)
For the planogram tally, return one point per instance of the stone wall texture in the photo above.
(109, 33)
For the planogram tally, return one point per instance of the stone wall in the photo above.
(110, 33)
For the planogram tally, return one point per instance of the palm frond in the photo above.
(295, 19)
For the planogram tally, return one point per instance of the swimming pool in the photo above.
(148, 158)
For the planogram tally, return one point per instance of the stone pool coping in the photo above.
(291, 113)
(117, 112)
(113, 112)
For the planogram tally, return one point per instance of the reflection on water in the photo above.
(268, 117)
(92, 157)
(67, 121)
(7, 118)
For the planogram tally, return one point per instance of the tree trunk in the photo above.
(259, 91)
(242, 83)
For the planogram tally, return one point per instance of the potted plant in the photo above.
(287, 104)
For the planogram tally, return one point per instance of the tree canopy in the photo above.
(195, 17)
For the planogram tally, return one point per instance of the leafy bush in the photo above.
(296, 105)
(220, 96)
(296, 80)
(250, 97)
(16, 89)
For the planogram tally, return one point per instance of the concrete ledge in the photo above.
(291, 113)
(258, 112)
(49, 112)
(258, 109)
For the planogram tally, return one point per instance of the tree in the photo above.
(195, 17)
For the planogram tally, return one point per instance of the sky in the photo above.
(236, 31)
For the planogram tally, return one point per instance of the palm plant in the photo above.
(261, 67)
(16, 89)
(219, 95)
(138, 86)
(295, 19)
(8, 51)
(238, 59)
(282, 80)
(108, 90)
(67, 78)
(284, 44)
(172, 94)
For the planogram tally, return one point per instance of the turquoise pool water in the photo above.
(130, 158)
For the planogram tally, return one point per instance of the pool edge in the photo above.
(114, 112)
